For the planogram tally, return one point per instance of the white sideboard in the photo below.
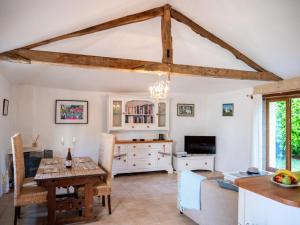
(130, 157)
(194, 162)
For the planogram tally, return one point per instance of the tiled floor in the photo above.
(141, 199)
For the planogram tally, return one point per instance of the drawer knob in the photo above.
(149, 146)
(205, 163)
(149, 164)
(132, 126)
(124, 160)
(186, 164)
(134, 146)
(149, 154)
(134, 165)
(148, 126)
(158, 158)
(134, 154)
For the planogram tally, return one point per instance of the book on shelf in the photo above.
(140, 109)
(139, 119)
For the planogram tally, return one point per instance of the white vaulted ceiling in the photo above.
(266, 31)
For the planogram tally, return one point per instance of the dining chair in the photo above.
(104, 186)
(24, 193)
(105, 160)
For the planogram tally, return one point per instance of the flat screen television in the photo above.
(200, 144)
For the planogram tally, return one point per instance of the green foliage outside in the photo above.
(281, 127)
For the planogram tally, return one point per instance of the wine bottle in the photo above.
(69, 159)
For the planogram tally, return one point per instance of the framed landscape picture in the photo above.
(71, 112)
(5, 107)
(228, 109)
(186, 110)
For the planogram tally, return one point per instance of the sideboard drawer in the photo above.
(187, 164)
(159, 146)
(141, 157)
(164, 161)
(206, 164)
(120, 149)
(120, 163)
(142, 164)
(141, 154)
(194, 163)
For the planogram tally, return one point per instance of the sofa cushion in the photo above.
(227, 185)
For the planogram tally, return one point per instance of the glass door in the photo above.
(162, 114)
(276, 134)
(295, 134)
(117, 121)
(283, 132)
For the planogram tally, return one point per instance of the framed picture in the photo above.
(71, 112)
(5, 107)
(186, 110)
(228, 109)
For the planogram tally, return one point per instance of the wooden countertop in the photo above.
(263, 186)
(141, 142)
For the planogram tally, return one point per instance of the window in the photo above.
(283, 131)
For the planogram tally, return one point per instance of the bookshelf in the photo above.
(128, 113)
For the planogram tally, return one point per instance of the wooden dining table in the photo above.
(52, 174)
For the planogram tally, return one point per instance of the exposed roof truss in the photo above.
(25, 54)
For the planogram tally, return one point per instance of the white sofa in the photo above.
(218, 206)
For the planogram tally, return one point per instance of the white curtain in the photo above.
(257, 136)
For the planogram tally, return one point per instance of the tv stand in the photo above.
(194, 162)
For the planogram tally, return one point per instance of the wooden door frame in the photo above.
(268, 101)
(287, 97)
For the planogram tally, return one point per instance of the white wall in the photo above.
(35, 113)
(6, 129)
(234, 134)
(181, 126)
(36, 108)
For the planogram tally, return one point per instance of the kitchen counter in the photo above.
(263, 186)
(141, 142)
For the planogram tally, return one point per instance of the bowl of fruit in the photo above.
(286, 178)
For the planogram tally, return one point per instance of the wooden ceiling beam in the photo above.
(166, 35)
(25, 55)
(87, 61)
(206, 34)
(134, 18)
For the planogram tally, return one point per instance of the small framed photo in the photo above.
(5, 107)
(71, 112)
(186, 110)
(228, 109)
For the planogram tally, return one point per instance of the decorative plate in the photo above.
(286, 185)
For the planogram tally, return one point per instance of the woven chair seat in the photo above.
(31, 195)
(29, 182)
(100, 188)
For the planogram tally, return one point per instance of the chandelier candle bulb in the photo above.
(160, 89)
